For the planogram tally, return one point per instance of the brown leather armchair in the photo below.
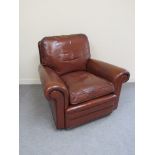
(80, 89)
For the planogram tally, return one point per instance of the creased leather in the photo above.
(65, 53)
(80, 89)
(84, 86)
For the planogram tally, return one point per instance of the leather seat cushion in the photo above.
(84, 86)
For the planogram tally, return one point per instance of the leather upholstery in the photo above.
(84, 86)
(90, 110)
(63, 53)
(79, 89)
(52, 82)
(106, 70)
(110, 72)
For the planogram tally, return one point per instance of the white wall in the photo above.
(109, 25)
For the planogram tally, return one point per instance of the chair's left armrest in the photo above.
(112, 73)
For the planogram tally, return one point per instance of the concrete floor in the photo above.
(112, 135)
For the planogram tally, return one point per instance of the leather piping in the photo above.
(92, 112)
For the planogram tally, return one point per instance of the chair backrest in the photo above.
(65, 53)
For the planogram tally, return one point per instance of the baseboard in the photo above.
(37, 81)
(29, 81)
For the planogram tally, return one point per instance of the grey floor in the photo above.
(112, 135)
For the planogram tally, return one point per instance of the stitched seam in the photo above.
(93, 106)
(91, 113)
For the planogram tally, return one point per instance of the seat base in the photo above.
(89, 111)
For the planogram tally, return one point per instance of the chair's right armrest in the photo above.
(55, 90)
(51, 82)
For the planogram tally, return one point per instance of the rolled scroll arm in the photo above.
(54, 90)
(112, 73)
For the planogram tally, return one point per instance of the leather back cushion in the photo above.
(65, 53)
